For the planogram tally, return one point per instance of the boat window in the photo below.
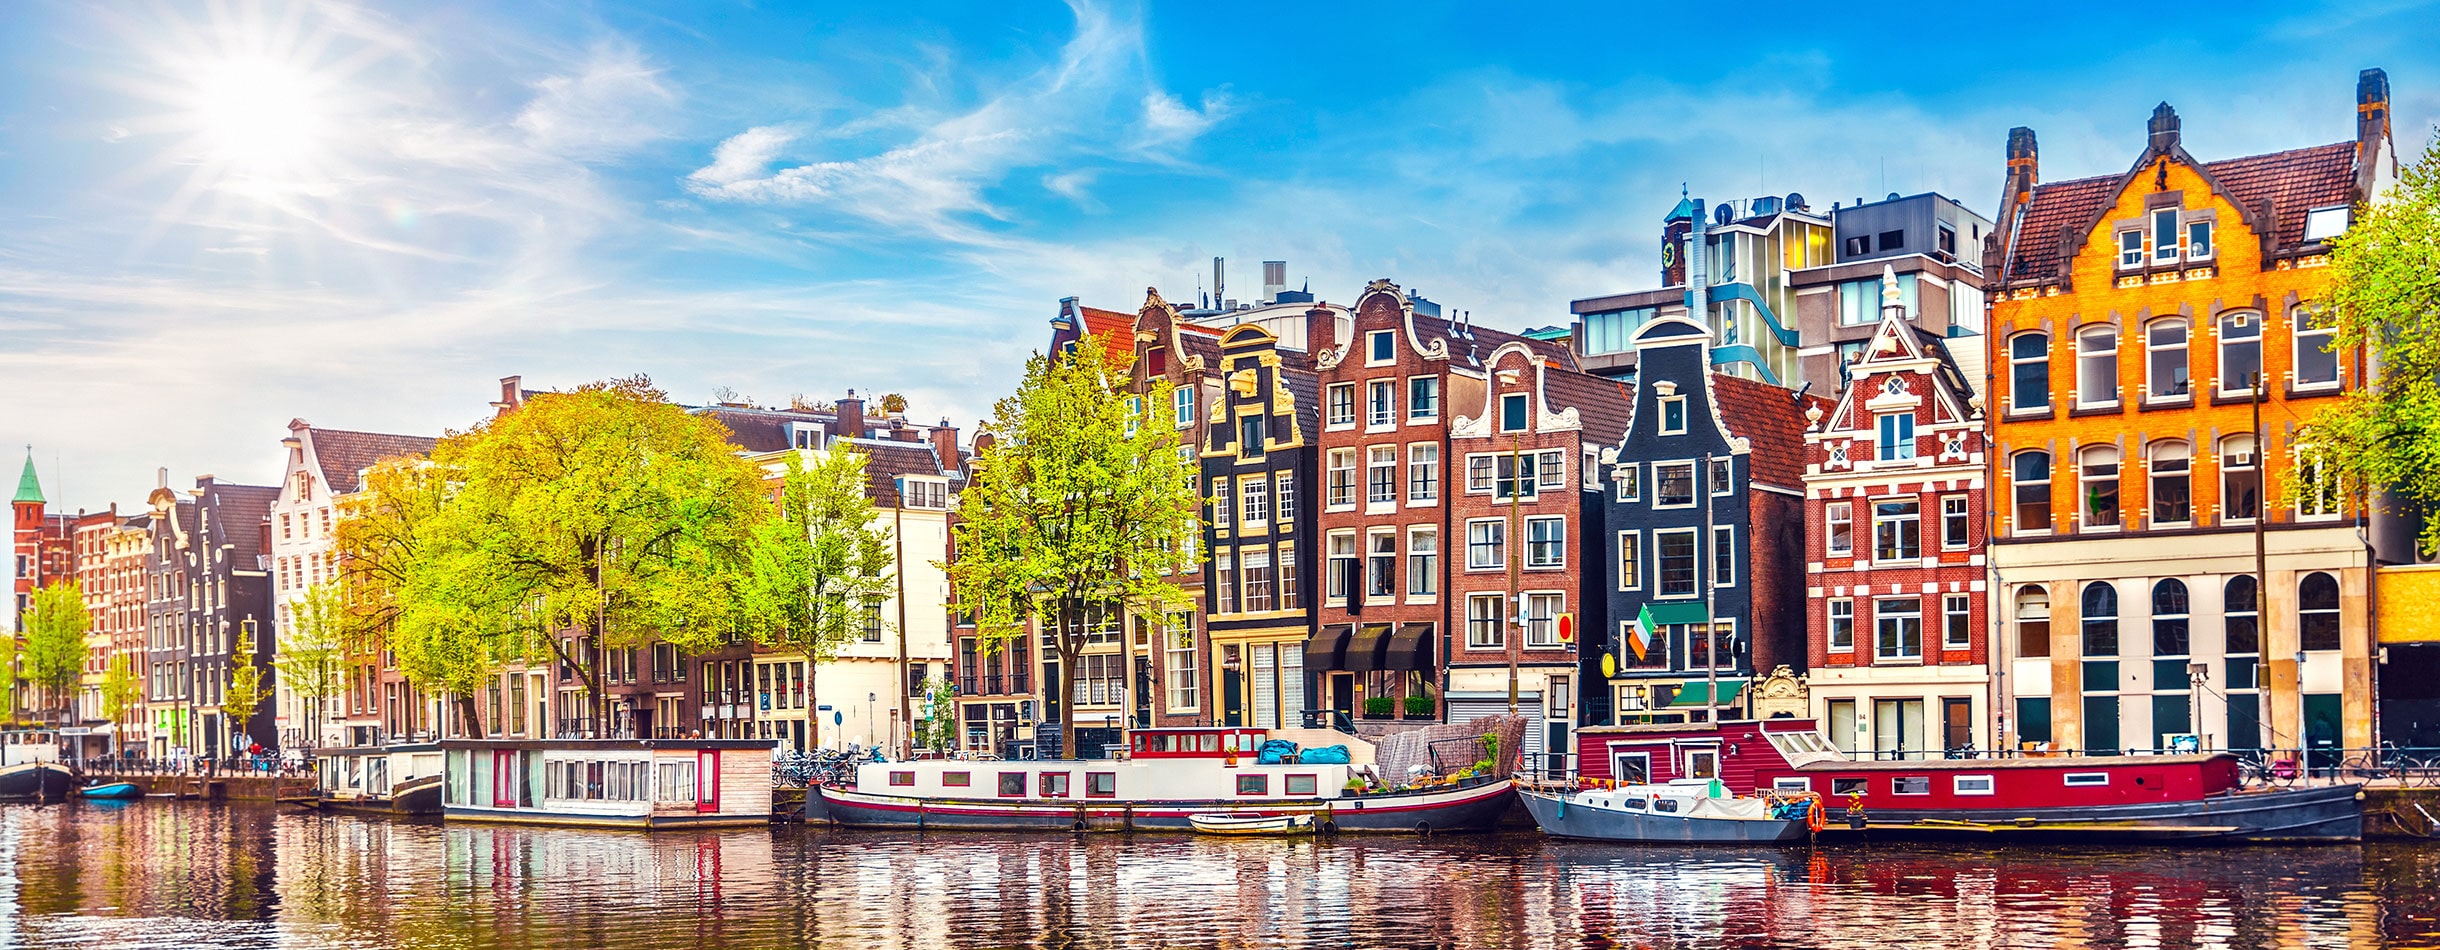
(1664, 804)
(1253, 785)
(1786, 783)
(1846, 786)
(1012, 783)
(1911, 785)
(1101, 784)
(1703, 763)
(1635, 804)
(1211, 743)
(1055, 784)
(1632, 768)
(1301, 785)
(1139, 742)
(957, 779)
(902, 778)
(1973, 785)
(2075, 779)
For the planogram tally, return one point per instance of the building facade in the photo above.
(1257, 461)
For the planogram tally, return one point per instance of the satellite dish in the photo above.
(1796, 202)
(1723, 214)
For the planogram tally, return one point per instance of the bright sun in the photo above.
(256, 115)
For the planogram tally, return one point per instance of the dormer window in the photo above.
(1673, 415)
(1380, 348)
(2322, 224)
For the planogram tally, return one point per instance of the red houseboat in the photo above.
(2121, 798)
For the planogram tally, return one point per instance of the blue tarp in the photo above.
(1276, 752)
(1324, 755)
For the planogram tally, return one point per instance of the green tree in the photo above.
(246, 690)
(1077, 504)
(819, 568)
(2385, 296)
(311, 647)
(382, 538)
(938, 727)
(54, 652)
(122, 691)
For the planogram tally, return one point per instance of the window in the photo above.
(1287, 495)
(1722, 479)
(2321, 224)
(2130, 248)
(2170, 634)
(1478, 473)
(1255, 500)
(1339, 478)
(2100, 622)
(2316, 362)
(1224, 577)
(2097, 366)
(2029, 477)
(1422, 473)
(1842, 626)
(1513, 416)
(2317, 612)
(1287, 578)
(1381, 475)
(1222, 508)
(905, 779)
(2240, 480)
(2164, 234)
(1342, 565)
(1897, 629)
(2086, 779)
(2032, 621)
(1012, 784)
(1630, 561)
(1723, 556)
(1381, 564)
(1422, 561)
(1249, 437)
(1486, 544)
(1545, 542)
(1910, 785)
(1301, 784)
(1379, 347)
(2240, 352)
(1135, 411)
(1674, 549)
(1630, 482)
(1423, 398)
(1054, 784)
(1971, 785)
(1897, 436)
(1673, 415)
(2172, 484)
(2165, 358)
(1956, 622)
(1484, 626)
(2097, 473)
(1181, 662)
(2029, 372)
(2243, 611)
(1101, 784)
(1542, 620)
(947, 780)
(1860, 301)
(1550, 469)
(1956, 527)
(1896, 530)
(1253, 784)
(1838, 533)
(1841, 787)
(2317, 485)
(1257, 566)
(1381, 403)
(1182, 406)
(1342, 404)
(1511, 481)
(1673, 484)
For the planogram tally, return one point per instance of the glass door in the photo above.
(707, 781)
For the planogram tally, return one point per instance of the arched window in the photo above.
(2100, 621)
(2240, 352)
(2240, 479)
(2097, 475)
(2032, 621)
(2029, 477)
(2029, 372)
(2169, 630)
(2097, 365)
(2172, 483)
(2244, 617)
(2317, 612)
(2165, 358)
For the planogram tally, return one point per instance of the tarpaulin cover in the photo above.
(1276, 752)
(1324, 755)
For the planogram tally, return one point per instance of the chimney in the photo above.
(944, 444)
(850, 424)
(2163, 128)
(1321, 331)
(512, 395)
(2372, 145)
(2024, 171)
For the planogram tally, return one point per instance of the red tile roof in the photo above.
(1602, 405)
(345, 455)
(2296, 181)
(1772, 420)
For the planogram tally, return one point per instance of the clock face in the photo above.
(1668, 253)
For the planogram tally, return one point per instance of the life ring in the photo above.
(1816, 818)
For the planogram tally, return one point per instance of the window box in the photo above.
(1420, 707)
(1379, 707)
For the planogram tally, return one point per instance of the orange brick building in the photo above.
(2137, 318)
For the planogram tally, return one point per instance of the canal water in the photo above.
(185, 874)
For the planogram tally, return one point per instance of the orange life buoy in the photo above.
(1815, 819)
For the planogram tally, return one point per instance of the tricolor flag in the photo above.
(1642, 632)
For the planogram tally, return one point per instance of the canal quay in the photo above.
(207, 875)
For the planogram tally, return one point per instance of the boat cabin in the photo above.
(626, 783)
(371, 773)
(20, 746)
(1204, 764)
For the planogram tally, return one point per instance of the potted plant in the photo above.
(1355, 786)
(1419, 707)
(1378, 707)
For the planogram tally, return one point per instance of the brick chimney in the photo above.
(2024, 171)
(512, 395)
(851, 417)
(944, 444)
(1321, 331)
(2372, 144)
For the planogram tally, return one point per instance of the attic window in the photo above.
(1892, 240)
(2322, 224)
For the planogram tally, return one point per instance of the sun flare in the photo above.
(256, 115)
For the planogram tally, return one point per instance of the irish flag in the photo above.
(1642, 633)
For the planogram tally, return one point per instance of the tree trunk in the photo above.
(1065, 692)
(813, 695)
(588, 675)
(472, 716)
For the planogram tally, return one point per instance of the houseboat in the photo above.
(2193, 797)
(1165, 779)
(388, 780)
(615, 783)
(30, 768)
(1686, 811)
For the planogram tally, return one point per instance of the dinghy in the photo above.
(115, 791)
(1252, 824)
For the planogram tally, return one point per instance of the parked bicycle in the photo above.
(2269, 768)
(2390, 762)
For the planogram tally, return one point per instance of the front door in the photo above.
(1343, 692)
(1956, 724)
(504, 775)
(707, 781)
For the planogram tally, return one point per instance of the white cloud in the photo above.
(1169, 121)
(612, 102)
(742, 157)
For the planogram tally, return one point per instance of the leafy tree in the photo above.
(2385, 295)
(54, 652)
(820, 566)
(310, 650)
(938, 729)
(122, 690)
(383, 538)
(1077, 503)
(246, 690)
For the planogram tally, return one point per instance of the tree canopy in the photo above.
(822, 561)
(311, 645)
(54, 653)
(2385, 295)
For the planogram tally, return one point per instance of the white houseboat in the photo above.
(389, 780)
(619, 783)
(1167, 777)
(30, 766)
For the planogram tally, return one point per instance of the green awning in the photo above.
(1698, 693)
(1665, 613)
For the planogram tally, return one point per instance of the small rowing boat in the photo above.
(1252, 824)
(113, 791)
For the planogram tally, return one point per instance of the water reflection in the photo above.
(185, 874)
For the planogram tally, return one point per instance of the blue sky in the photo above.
(217, 218)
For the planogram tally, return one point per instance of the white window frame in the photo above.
(1377, 341)
(1224, 504)
(1422, 563)
(2016, 360)
(2253, 465)
(1380, 404)
(1956, 509)
(1381, 491)
(2165, 253)
(1694, 485)
(1880, 615)
(1723, 555)
(2086, 480)
(2153, 350)
(1677, 403)
(2085, 779)
(1546, 522)
(1841, 616)
(1629, 478)
(1339, 547)
(1630, 560)
(1423, 473)
(1283, 495)
(2106, 357)
(1973, 785)
(1659, 578)
(2300, 329)
(1381, 545)
(1497, 527)
(1423, 414)
(1888, 446)
(2210, 234)
(1331, 404)
(1254, 503)
(1541, 610)
(1491, 636)
(2130, 254)
(1956, 605)
(2219, 335)
(1332, 500)
(1835, 514)
(1182, 406)
(1877, 521)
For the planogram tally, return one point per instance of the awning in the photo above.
(1665, 613)
(1410, 648)
(1698, 693)
(1364, 654)
(1327, 650)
